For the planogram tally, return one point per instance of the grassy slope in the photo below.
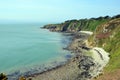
(77, 25)
(111, 43)
(114, 48)
(92, 24)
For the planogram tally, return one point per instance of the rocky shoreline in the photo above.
(89, 60)
(83, 66)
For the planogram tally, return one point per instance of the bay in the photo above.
(25, 46)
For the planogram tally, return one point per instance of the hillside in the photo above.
(107, 36)
(78, 25)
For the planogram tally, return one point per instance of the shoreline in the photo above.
(80, 67)
(40, 69)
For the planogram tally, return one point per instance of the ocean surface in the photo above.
(25, 46)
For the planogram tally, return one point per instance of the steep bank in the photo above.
(78, 25)
(107, 36)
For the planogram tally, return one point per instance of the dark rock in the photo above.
(84, 47)
(86, 63)
(68, 56)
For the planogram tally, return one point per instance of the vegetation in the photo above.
(22, 78)
(77, 25)
(3, 77)
(108, 36)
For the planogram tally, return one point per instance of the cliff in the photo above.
(78, 25)
(107, 36)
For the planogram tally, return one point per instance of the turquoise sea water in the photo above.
(25, 46)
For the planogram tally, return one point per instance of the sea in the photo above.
(26, 46)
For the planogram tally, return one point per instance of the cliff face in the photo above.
(77, 25)
(82, 24)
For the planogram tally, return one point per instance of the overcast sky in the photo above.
(56, 10)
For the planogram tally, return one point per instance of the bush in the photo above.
(3, 77)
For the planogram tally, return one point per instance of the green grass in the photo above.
(94, 24)
(114, 48)
(112, 43)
